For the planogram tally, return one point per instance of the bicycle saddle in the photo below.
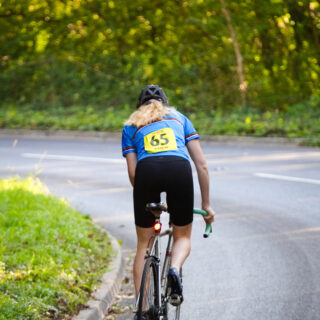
(156, 208)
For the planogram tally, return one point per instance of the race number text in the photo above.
(160, 140)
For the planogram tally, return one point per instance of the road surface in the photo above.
(263, 259)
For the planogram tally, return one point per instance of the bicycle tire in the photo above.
(148, 304)
(173, 313)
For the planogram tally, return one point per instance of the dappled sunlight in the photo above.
(31, 184)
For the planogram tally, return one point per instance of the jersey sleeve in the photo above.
(127, 143)
(189, 130)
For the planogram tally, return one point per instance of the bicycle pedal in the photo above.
(175, 300)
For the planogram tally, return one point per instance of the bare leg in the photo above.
(143, 237)
(181, 245)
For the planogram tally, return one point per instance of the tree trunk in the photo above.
(315, 31)
(242, 86)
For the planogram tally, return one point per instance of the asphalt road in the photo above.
(263, 259)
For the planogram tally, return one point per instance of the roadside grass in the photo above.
(298, 121)
(51, 256)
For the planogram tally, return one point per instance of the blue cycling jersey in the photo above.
(167, 137)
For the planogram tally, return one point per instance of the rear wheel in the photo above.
(148, 302)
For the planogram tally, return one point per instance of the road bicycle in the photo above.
(152, 302)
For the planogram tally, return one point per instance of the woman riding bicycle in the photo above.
(155, 141)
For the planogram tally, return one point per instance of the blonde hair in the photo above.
(147, 114)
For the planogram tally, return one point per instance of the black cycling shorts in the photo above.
(169, 174)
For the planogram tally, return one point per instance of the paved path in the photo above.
(263, 260)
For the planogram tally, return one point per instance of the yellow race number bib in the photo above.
(160, 140)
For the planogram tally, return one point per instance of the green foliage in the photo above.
(63, 53)
(51, 257)
(300, 120)
(72, 118)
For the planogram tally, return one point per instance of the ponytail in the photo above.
(147, 114)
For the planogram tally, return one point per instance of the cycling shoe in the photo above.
(174, 289)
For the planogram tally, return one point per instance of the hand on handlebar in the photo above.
(210, 217)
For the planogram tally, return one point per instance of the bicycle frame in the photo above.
(155, 252)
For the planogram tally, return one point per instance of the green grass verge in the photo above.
(51, 256)
(298, 121)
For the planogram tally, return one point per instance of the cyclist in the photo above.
(155, 141)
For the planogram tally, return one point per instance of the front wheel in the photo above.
(148, 302)
(171, 312)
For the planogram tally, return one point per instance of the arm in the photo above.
(131, 164)
(199, 160)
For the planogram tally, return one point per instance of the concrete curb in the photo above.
(102, 298)
(61, 134)
(116, 136)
